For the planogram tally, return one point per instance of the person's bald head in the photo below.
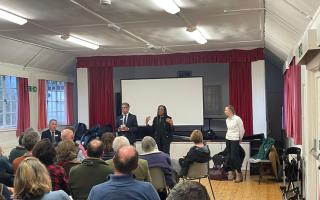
(67, 135)
(95, 148)
(126, 159)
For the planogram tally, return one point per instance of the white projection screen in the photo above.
(183, 98)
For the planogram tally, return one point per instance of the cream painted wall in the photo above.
(83, 95)
(309, 126)
(259, 119)
(8, 139)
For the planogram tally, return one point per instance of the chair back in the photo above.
(198, 170)
(157, 178)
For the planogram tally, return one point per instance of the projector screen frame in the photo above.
(202, 78)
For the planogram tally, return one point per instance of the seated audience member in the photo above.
(29, 140)
(188, 190)
(32, 182)
(200, 152)
(122, 185)
(52, 133)
(67, 155)
(141, 173)
(19, 150)
(67, 134)
(46, 153)
(157, 158)
(6, 171)
(90, 172)
(5, 193)
(107, 138)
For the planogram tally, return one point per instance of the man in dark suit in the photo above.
(127, 124)
(52, 134)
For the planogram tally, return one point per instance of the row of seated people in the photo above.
(76, 176)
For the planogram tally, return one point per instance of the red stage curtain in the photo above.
(172, 59)
(42, 105)
(240, 92)
(23, 118)
(69, 105)
(241, 58)
(101, 106)
(292, 102)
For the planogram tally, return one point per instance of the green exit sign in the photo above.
(300, 50)
(32, 88)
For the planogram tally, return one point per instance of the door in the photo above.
(317, 128)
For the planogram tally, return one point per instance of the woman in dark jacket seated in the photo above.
(200, 153)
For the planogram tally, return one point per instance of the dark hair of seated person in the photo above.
(45, 152)
(188, 190)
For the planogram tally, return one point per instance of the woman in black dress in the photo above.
(162, 127)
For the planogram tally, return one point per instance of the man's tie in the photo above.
(53, 139)
(125, 119)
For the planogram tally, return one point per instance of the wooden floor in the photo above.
(247, 190)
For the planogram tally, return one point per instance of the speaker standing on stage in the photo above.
(162, 126)
(127, 124)
(233, 138)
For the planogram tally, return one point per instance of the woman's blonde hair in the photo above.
(32, 180)
(231, 108)
(66, 151)
(196, 137)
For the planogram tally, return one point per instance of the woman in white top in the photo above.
(233, 138)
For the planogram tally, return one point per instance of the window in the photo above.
(213, 101)
(8, 102)
(56, 105)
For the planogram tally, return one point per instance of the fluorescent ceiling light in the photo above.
(105, 2)
(168, 5)
(179, 3)
(114, 27)
(12, 18)
(196, 35)
(80, 42)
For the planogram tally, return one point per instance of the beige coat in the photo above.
(141, 173)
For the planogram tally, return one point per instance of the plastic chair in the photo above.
(199, 171)
(157, 179)
(260, 163)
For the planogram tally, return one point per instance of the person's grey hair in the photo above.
(188, 190)
(30, 139)
(119, 142)
(52, 120)
(148, 144)
(29, 130)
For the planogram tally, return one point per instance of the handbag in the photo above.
(218, 173)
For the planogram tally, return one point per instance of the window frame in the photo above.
(55, 102)
(5, 100)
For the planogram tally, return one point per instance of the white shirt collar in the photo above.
(150, 152)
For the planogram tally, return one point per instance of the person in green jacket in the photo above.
(92, 171)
